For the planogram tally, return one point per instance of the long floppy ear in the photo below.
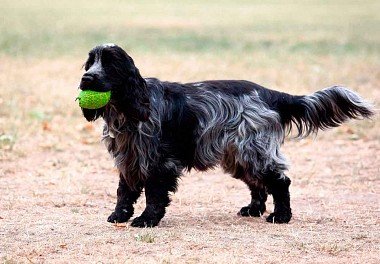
(92, 115)
(134, 97)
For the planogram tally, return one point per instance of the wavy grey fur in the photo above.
(134, 148)
(239, 129)
(231, 131)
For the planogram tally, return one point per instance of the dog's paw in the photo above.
(249, 211)
(279, 217)
(120, 216)
(252, 211)
(143, 221)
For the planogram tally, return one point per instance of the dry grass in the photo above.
(58, 185)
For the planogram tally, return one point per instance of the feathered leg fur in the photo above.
(126, 197)
(157, 188)
(258, 192)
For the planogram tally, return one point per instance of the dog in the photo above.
(155, 130)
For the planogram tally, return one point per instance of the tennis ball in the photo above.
(92, 99)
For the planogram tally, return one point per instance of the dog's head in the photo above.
(110, 68)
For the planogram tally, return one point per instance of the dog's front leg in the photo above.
(157, 188)
(126, 197)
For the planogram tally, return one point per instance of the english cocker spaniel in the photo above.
(155, 130)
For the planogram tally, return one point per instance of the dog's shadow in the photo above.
(204, 221)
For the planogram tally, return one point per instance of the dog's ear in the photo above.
(134, 96)
(92, 115)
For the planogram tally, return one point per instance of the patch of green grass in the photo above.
(39, 115)
(146, 237)
(44, 29)
(75, 210)
(7, 141)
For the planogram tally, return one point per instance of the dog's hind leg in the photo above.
(277, 184)
(258, 193)
(157, 188)
(257, 206)
(126, 197)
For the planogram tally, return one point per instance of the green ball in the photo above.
(92, 99)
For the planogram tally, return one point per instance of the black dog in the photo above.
(155, 130)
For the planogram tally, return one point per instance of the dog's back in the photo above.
(240, 122)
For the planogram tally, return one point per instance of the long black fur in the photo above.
(155, 130)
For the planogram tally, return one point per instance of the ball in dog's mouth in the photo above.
(93, 99)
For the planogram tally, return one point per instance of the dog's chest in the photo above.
(119, 142)
(130, 150)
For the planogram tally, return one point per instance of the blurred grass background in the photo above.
(294, 46)
(277, 28)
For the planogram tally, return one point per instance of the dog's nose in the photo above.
(87, 78)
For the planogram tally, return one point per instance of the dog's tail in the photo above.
(323, 109)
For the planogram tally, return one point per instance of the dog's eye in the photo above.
(106, 56)
(89, 62)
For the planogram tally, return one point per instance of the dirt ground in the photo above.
(58, 186)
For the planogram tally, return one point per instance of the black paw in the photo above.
(279, 217)
(252, 210)
(143, 221)
(120, 216)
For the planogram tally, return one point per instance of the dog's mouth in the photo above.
(96, 85)
(97, 88)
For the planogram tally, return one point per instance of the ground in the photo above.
(58, 184)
